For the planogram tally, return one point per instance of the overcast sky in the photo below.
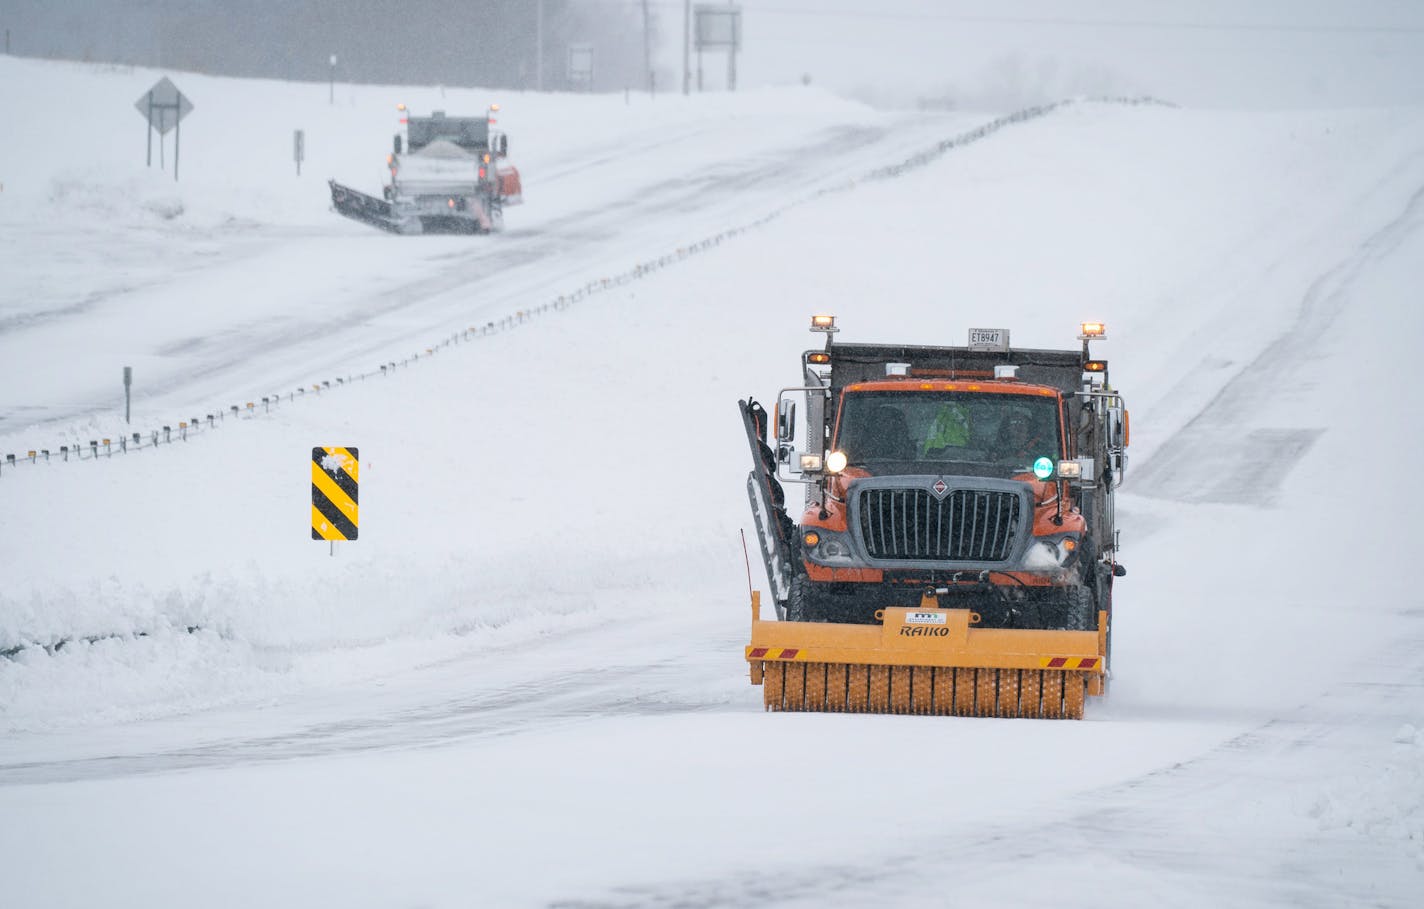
(967, 53)
(1251, 53)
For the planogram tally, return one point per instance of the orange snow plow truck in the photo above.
(957, 552)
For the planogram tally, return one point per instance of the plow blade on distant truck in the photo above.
(359, 206)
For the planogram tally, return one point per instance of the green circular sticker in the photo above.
(1043, 468)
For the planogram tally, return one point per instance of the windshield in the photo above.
(466, 132)
(935, 429)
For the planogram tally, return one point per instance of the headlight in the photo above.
(825, 546)
(1051, 552)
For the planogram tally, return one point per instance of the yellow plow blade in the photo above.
(926, 661)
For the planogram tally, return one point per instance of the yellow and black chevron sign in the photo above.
(335, 472)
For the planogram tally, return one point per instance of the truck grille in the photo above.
(967, 525)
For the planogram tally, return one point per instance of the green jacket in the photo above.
(950, 428)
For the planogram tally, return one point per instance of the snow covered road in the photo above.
(523, 686)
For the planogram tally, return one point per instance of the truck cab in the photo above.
(981, 474)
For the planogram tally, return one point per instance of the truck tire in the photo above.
(806, 603)
(1072, 608)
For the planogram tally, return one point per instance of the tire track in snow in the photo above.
(1243, 824)
(516, 697)
(1210, 459)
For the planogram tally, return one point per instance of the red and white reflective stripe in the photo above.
(774, 653)
(1069, 662)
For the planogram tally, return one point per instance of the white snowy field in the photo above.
(523, 685)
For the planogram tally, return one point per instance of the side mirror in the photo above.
(396, 144)
(786, 421)
(1117, 427)
(1119, 465)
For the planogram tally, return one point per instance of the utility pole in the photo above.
(647, 50)
(539, 46)
(686, 45)
(732, 51)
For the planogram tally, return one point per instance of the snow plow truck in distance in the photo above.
(450, 175)
(957, 550)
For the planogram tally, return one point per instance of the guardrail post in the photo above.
(167, 434)
(64, 450)
(94, 447)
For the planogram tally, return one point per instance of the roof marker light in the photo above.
(1095, 366)
(1006, 371)
(819, 357)
(823, 323)
(1092, 330)
(1043, 468)
(897, 369)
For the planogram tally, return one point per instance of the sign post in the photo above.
(299, 150)
(164, 106)
(128, 383)
(580, 67)
(718, 28)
